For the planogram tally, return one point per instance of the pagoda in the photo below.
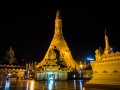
(106, 67)
(58, 58)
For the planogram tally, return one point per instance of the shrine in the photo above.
(106, 67)
(58, 60)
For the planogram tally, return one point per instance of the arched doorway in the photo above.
(50, 76)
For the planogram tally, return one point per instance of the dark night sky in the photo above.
(30, 30)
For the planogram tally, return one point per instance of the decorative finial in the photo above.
(58, 14)
(107, 47)
(58, 11)
(105, 32)
(106, 37)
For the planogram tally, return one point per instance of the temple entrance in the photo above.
(50, 76)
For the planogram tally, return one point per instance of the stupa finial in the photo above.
(106, 37)
(105, 32)
(107, 47)
(58, 14)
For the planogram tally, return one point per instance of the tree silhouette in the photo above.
(9, 56)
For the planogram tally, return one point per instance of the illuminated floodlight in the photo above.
(111, 48)
(79, 72)
(90, 58)
(81, 66)
(74, 76)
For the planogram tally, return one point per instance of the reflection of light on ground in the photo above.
(21, 84)
(75, 84)
(32, 85)
(50, 84)
(27, 85)
(81, 88)
(7, 85)
(43, 85)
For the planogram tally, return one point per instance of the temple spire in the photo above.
(107, 47)
(58, 25)
(106, 42)
(58, 15)
(105, 32)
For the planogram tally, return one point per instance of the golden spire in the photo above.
(107, 47)
(58, 25)
(106, 37)
(58, 15)
(105, 32)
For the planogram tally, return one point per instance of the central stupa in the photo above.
(60, 47)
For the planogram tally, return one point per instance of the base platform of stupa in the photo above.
(106, 72)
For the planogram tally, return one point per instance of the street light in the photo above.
(81, 66)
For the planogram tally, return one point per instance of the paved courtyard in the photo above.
(41, 85)
(44, 85)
